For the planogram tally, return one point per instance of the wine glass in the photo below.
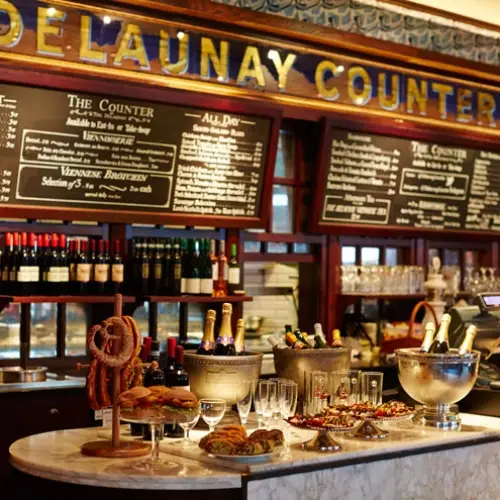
(186, 427)
(267, 396)
(212, 411)
(244, 403)
(288, 391)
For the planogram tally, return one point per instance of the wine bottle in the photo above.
(430, 331)
(156, 270)
(441, 344)
(117, 270)
(72, 262)
(63, 266)
(298, 336)
(234, 272)
(278, 340)
(225, 341)
(154, 375)
(192, 273)
(34, 265)
(239, 339)
(206, 274)
(176, 271)
(145, 269)
(466, 346)
(215, 263)
(45, 264)
(101, 270)
(185, 265)
(24, 269)
(83, 270)
(319, 338)
(134, 265)
(170, 366)
(179, 376)
(14, 263)
(5, 263)
(293, 342)
(337, 340)
(53, 267)
(166, 288)
(207, 345)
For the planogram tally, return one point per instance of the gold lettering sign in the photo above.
(322, 69)
(132, 47)
(361, 98)
(87, 53)
(282, 68)
(443, 92)
(219, 62)
(182, 64)
(485, 109)
(464, 105)
(12, 36)
(416, 94)
(388, 102)
(44, 28)
(251, 67)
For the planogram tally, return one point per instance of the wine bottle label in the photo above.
(177, 271)
(207, 345)
(12, 274)
(145, 271)
(193, 286)
(206, 286)
(215, 271)
(24, 274)
(234, 276)
(35, 274)
(117, 273)
(83, 273)
(5, 274)
(226, 271)
(72, 272)
(183, 285)
(158, 271)
(225, 340)
(101, 273)
(64, 274)
(53, 275)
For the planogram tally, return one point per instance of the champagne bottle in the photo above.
(293, 342)
(337, 341)
(319, 338)
(441, 344)
(300, 337)
(208, 342)
(234, 272)
(239, 340)
(225, 340)
(466, 346)
(430, 331)
(278, 340)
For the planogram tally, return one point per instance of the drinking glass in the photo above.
(186, 427)
(245, 402)
(345, 386)
(257, 405)
(371, 387)
(319, 391)
(288, 391)
(212, 411)
(267, 396)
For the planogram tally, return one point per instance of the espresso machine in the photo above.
(484, 399)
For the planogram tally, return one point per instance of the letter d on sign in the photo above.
(13, 34)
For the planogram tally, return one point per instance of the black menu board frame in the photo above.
(459, 137)
(153, 95)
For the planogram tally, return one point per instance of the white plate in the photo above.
(245, 459)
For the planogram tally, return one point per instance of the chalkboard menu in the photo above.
(65, 149)
(388, 181)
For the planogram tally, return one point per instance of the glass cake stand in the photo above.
(155, 418)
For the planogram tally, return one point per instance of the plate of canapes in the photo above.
(231, 442)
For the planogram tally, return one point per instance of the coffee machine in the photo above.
(485, 315)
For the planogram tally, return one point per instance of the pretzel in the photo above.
(119, 330)
(92, 385)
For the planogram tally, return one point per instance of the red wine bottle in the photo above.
(14, 264)
(5, 263)
(117, 270)
(101, 270)
(34, 264)
(63, 266)
(53, 267)
(24, 269)
(83, 270)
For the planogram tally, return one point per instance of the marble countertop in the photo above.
(56, 455)
(48, 385)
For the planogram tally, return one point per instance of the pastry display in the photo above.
(233, 440)
(158, 403)
(347, 416)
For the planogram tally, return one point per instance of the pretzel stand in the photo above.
(115, 448)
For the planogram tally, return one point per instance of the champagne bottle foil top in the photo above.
(211, 314)
(227, 308)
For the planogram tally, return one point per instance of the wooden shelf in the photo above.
(64, 299)
(198, 299)
(383, 296)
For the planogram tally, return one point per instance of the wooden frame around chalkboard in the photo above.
(160, 95)
(395, 128)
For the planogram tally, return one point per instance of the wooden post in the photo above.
(116, 378)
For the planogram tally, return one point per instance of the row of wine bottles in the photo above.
(438, 343)
(54, 264)
(174, 267)
(226, 344)
(301, 340)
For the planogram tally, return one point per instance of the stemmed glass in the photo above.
(212, 411)
(267, 397)
(244, 402)
(186, 427)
